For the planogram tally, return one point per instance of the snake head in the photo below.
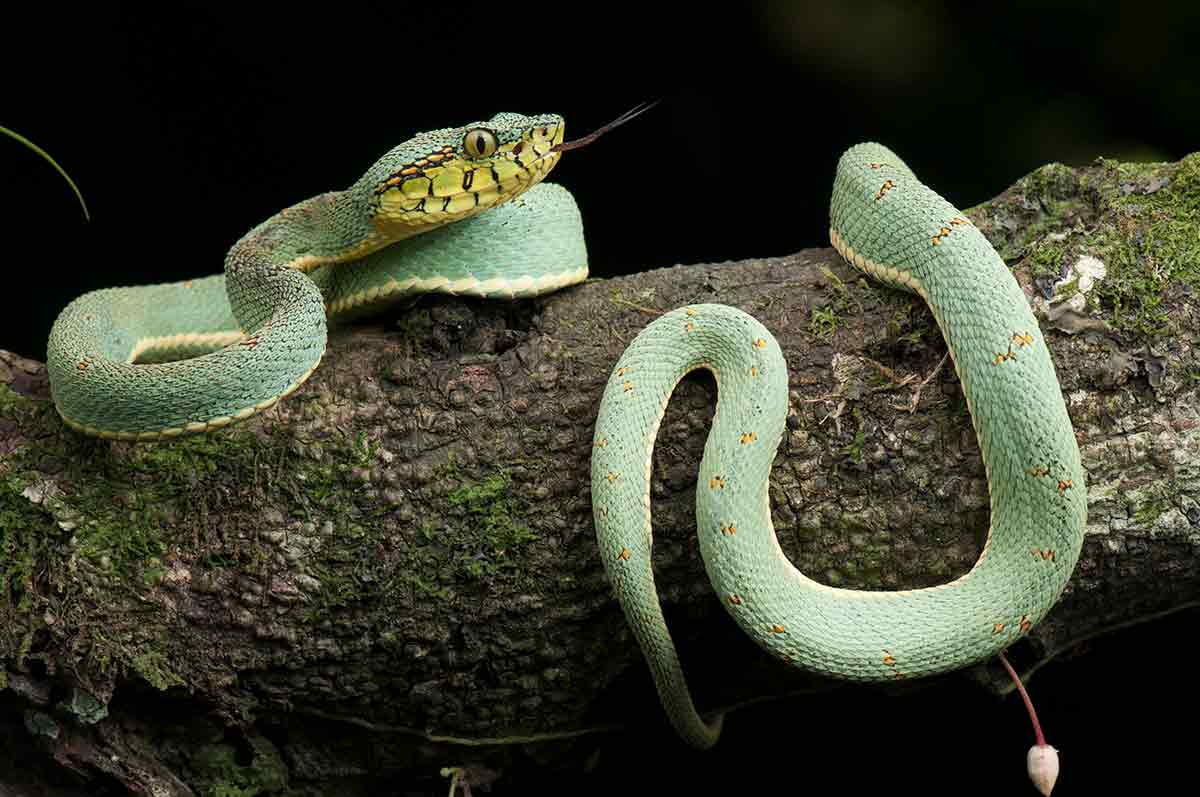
(447, 175)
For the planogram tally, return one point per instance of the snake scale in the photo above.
(155, 362)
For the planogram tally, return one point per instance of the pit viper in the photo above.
(153, 362)
(889, 225)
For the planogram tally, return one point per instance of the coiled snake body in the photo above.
(889, 225)
(259, 331)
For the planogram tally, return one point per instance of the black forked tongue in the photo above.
(590, 137)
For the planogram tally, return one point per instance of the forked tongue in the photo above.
(590, 137)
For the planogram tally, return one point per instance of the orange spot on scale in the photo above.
(997, 628)
(612, 477)
(602, 443)
(625, 554)
(749, 437)
(729, 530)
(1025, 624)
(889, 659)
(778, 629)
(627, 386)
(1064, 485)
(716, 483)
(736, 600)
(760, 343)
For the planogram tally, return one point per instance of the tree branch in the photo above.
(403, 550)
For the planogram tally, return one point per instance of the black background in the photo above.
(185, 127)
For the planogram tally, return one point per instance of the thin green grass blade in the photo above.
(52, 162)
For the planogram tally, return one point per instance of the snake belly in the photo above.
(886, 223)
(458, 210)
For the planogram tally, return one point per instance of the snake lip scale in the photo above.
(161, 361)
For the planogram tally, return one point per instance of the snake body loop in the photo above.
(889, 225)
(152, 362)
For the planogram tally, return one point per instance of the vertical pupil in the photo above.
(480, 143)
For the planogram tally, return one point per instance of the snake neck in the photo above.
(328, 228)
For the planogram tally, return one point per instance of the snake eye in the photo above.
(480, 143)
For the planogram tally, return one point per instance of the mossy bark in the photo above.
(397, 565)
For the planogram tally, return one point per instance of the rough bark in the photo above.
(400, 557)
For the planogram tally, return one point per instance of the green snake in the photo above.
(159, 361)
(890, 226)
(155, 362)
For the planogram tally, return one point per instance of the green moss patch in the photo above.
(1142, 220)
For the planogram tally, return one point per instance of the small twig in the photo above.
(916, 398)
(638, 307)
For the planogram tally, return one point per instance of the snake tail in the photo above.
(886, 223)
